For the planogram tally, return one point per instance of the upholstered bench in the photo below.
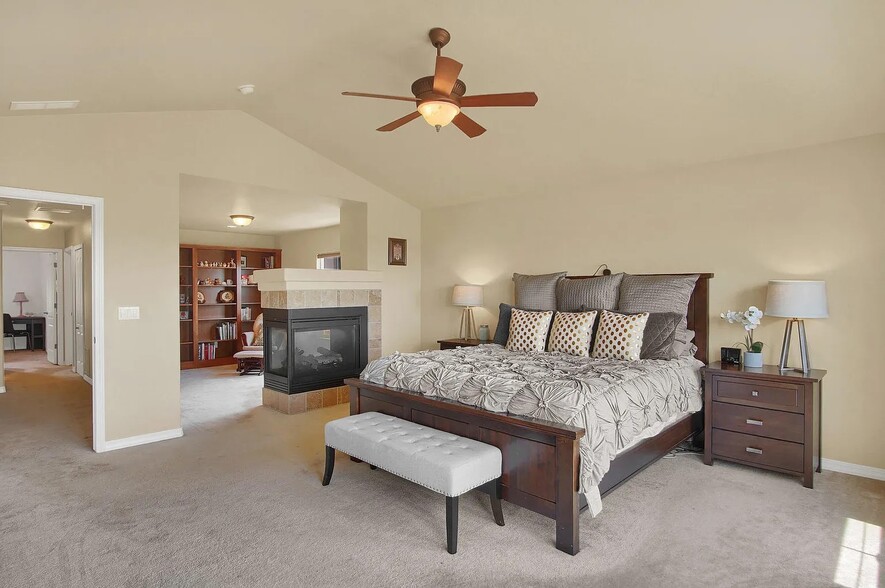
(442, 462)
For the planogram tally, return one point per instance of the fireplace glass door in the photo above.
(325, 350)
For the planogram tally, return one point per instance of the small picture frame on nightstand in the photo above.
(731, 356)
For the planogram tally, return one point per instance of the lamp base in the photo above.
(468, 326)
(803, 348)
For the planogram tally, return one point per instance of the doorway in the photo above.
(73, 323)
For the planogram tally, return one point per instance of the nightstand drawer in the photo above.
(759, 393)
(777, 424)
(758, 450)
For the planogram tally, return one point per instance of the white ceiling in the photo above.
(624, 87)
(16, 211)
(206, 204)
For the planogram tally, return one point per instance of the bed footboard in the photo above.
(540, 459)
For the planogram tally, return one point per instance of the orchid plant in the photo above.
(750, 319)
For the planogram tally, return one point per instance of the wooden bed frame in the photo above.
(540, 458)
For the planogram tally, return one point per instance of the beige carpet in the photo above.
(238, 501)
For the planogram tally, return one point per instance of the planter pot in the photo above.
(752, 360)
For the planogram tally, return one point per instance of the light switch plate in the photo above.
(128, 313)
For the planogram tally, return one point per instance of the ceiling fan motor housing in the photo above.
(422, 88)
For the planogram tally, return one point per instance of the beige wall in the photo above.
(82, 235)
(354, 236)
(133, 161)
(195, 237)
(300, 248)
(809, 213)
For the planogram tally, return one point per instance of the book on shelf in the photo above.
(246, 313)
(206, 351)
(226, 330)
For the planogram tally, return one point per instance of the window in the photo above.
(330, 261)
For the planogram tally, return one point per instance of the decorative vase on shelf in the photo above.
(752, 360)
(484, 333)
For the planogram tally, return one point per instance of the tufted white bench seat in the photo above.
(445, 463)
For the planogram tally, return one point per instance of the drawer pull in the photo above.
(758, 423)
(754, 450)
(755, 393)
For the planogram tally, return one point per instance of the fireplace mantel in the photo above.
(288, 278)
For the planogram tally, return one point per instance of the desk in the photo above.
(36, 326)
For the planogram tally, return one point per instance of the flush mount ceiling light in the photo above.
(40, 224)
(241, 220)
(43, 104)
(246, 89)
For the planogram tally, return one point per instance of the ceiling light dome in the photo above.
(39, 223)
(438, 113)
(241, 220)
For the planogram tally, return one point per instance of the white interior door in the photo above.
(53, 285)
(66, 318)
(79, 326)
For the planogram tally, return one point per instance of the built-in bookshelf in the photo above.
(221, 278)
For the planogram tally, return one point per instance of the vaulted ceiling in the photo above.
(624, 87)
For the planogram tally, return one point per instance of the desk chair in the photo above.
(9, 330)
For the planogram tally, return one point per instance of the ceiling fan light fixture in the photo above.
(438, 113)
(39, 224)
(241, 220)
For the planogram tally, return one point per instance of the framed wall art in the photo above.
(396, 251)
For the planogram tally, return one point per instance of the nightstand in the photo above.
(763, 417)
(455, 343)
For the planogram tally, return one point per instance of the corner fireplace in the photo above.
(314, 348)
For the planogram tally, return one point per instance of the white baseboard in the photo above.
(852, 468)
(2, 389)
(88, 379)
(142, 439)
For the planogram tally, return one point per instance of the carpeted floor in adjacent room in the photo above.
(237, 501)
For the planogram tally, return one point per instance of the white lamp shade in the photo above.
(467, 295)
(20, 297)
(801, 299)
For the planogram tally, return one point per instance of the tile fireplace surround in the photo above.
(288, 288)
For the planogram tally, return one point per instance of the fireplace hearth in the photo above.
(314, 348)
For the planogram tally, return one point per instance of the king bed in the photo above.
(570, 429)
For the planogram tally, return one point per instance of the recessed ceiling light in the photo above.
(241, 220)
(40, 224)
(43, 104)
(246, 89)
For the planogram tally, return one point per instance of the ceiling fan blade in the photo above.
(382, 96)
(446, 74)
(469, 126)
(400, 122)
(513, 99)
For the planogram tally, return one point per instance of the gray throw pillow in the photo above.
(659, 336)
(536, 292)
(659, 294)
(600, 292)
(502, 331)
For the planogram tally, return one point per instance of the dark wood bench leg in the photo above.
(330, 465)
(495, 497)
(452, 524)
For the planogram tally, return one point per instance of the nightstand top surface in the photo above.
(463, 342)
(766, 371)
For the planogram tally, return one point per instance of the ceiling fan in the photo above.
(440, 97)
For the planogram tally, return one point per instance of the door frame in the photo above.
(69, 306)
(78, 307)
(59, 289)
(99, 441)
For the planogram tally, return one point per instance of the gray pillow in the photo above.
(536, 292)
(502, 331)
(598, 292)
(659, 336)
(659, 294)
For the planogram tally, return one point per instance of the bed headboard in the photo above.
(698, 311)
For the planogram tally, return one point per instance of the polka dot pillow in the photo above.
(571, 333)
(619, 336)
(528, 330)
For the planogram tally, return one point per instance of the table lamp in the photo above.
(796, 300)
(467, 296)
(21, 299)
